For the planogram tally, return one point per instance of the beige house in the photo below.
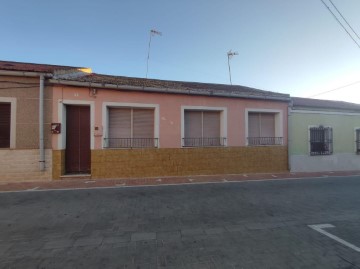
(24, 92)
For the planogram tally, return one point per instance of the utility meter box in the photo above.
(55, 128)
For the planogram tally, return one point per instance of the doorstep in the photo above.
(75, 176)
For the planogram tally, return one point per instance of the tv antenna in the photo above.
(231, 54)
(152, 33)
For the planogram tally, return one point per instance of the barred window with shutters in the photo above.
(202, 129)
(130, 128)
(261, 129)
(321, 140)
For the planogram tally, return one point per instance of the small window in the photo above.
(202, 129)
(5, 123)
(131, 128)
(261, 129)
(321, 141)
(357, 141)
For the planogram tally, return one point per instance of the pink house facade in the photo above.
(58, 122)
(153, 128)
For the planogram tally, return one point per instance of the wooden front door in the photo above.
(77, 153)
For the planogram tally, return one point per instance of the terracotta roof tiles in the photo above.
(197, 87)
(32, 67)
(71, 74)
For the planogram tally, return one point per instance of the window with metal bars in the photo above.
(321, 140)
(202, 129)
(261, 129)
(357, 140)
(130, 128)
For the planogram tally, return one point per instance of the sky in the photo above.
(288, 46)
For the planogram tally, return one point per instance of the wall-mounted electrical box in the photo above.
(98, 131)
(55, 128)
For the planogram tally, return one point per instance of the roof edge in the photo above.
(165, 90)
(301, 103)
(24, 73)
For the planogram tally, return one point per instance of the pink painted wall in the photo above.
(170, 111)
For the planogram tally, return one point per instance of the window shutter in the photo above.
(119, 127)
(119, 123)
(143, 123)
(211, 128)
(5, 116)
(193, 128)
(254, 125)
(267, 125)
(211, 124)
(193, 124)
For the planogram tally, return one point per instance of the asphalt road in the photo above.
(262, 224)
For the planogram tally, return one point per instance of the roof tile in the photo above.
(32, 67)
(197, 87)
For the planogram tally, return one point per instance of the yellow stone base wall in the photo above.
(23, 165)
(58, 168)
(127, 163)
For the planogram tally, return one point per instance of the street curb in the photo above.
(36, 189)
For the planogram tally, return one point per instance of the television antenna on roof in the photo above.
(153, 32)
(231, 54)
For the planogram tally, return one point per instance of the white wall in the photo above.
(334, 162)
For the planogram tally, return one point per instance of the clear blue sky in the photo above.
(288, 46)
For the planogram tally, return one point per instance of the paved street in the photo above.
(259, 224)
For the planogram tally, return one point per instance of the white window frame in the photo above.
(62, 119)
(12, 102)
(105, 117)
(279, 126)
(223, 120)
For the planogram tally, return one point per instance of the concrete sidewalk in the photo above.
(108, 183)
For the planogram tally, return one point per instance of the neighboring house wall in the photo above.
(343, 126)
(21, 160)
(170, 158)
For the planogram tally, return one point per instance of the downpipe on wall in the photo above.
(41, 123)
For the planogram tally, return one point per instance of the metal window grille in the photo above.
(261, 129)
(130, 128)
(321, 141)
(357, 141)
(131, 142)
(202, 129)
(262, 141)
(204, 141)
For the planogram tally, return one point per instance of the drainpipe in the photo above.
(41, 123)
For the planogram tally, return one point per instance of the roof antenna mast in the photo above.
(152, 33)
(230, 54)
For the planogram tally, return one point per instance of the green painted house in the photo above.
(323, 135)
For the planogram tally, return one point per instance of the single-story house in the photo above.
(324, 135)
(69, 121)
(26, 101)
